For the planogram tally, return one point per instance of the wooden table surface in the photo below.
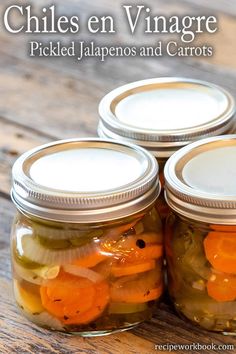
(46, 99)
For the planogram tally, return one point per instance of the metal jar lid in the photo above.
(200, 180)
(85, 180)
(165, 114)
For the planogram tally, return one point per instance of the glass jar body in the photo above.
(89, 279)
(201, 266)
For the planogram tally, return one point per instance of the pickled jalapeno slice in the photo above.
(220, 250)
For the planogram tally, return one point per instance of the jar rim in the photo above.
(34, 173)
(164, 142)
(192, 196)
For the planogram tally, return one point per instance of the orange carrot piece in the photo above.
(138, 288)
(135, 248)
(222, 287)
(90, 261)
(100, 302)
(60, 296)
(147, 253)
(119, 271)
(69, 297)
(224, 228)
(138, 297)
(220, 250)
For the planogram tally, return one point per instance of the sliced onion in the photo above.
(135, 284)
(138, 283)
(47, 272)
(27, 274)
(36, 276)
(38, 253)
(115, 233)
(35, 252)
(83, 272)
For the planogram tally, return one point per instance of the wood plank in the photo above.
(65, 104)
(15, 140)
(46, 100)
(167, 327)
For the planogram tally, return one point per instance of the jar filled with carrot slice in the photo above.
(87, 241)
(164, 114)
(200, 237)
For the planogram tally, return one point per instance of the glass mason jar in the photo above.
(86, 240)
(200, 238)
(165, 114)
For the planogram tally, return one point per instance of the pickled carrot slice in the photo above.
(119, 271)
(220, 250)
(222, 287)
(100, 302)
(90, 260)
(135, 248)
(151, 252)
(74, 300)
(226, 228)
(139, 297)
(60, 296)
(138, 288)
(148, 253)
(136, 254)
